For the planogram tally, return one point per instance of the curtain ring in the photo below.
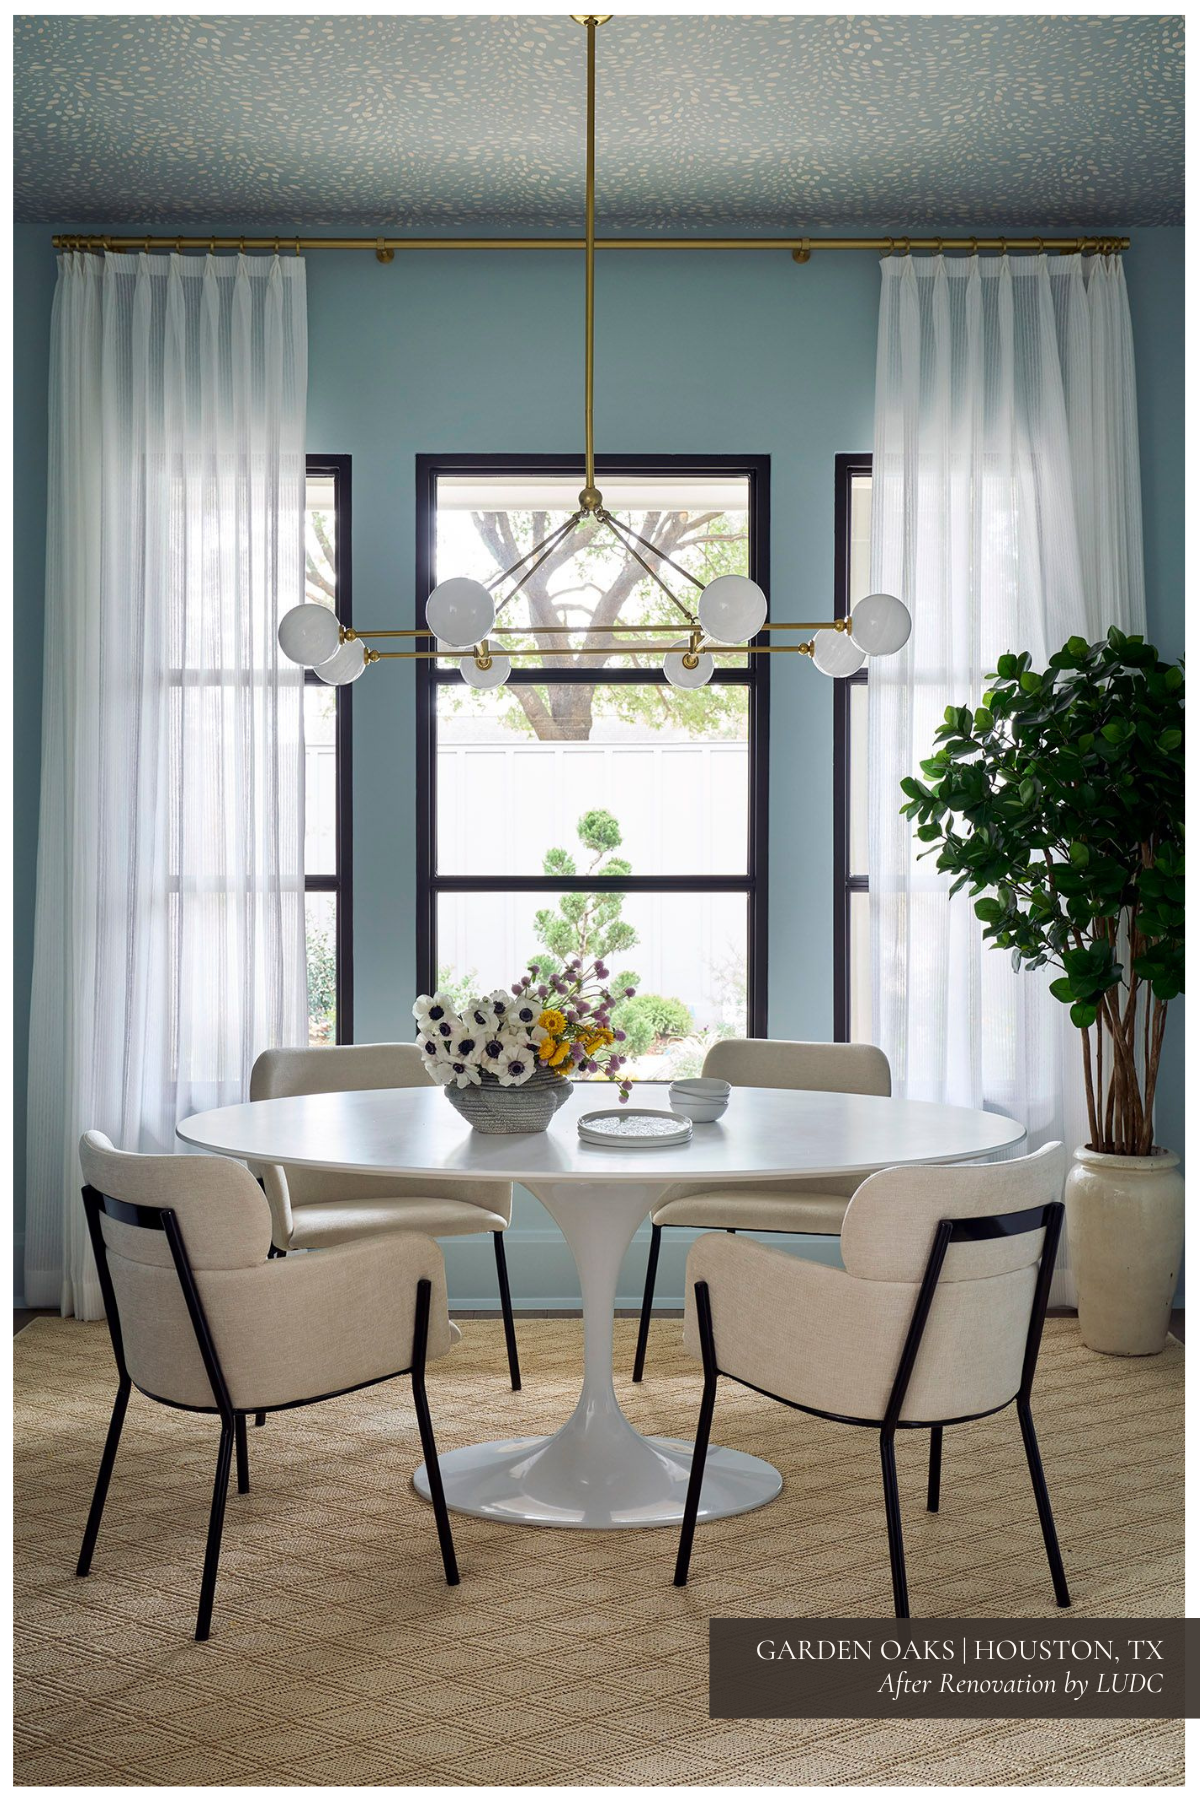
(974, 246)
(941, 246)
(907, 242)
(178, 246)
(212, 244)
(1004, 246)
(891, 247)
(241, 246)
(146, 245)
(297, 246)
(1041, 246)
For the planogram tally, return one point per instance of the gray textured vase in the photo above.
(511, 1110)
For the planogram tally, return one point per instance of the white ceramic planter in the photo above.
(1125, 1229)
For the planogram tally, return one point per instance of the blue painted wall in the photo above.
(739, 353)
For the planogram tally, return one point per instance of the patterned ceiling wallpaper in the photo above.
(708, 122)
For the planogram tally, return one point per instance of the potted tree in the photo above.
(1059, 801)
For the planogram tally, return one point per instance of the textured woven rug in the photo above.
(339, 1656)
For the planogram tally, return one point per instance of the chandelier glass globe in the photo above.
(732, 609)
(498, 672)
(460, 610)
(679, 675)
(344, 666)
(835, 654)
(308, 634)
(880, 624)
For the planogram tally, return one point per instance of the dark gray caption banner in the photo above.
(954, 1668)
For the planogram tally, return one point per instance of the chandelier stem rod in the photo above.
(589, 305)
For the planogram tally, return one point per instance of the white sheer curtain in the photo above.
(169, 942)
(1006, 512)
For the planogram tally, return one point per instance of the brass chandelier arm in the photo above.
(804, 649)
(560, 531)
(352, 634)
(547, 547)
(661, 554)
(618, 532)
(590, 497)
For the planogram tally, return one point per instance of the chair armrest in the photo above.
(320, 1321)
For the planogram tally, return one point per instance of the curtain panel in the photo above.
(1006, 513)
(169, 933)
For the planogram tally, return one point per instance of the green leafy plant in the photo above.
(648, 1019)
(1059, 801)
(589, 926)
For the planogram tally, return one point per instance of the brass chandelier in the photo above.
(463, 617)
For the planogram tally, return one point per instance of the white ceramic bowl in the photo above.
(702, 1098)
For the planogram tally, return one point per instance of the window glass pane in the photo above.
(687, 951)
(320, 779)
(860, 968)
(857, 795)
(320, 931)
(591, 581)
(522, 773)
(860, 537)
(320, 540)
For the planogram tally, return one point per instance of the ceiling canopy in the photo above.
(709, 122)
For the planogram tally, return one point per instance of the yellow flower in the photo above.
(546, 1048)
(560, 1055)
(553, 1021)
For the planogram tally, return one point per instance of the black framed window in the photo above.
(587, 806)
(851, 891)
(327, 814)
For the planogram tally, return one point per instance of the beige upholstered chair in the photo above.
(935, 1319)
(200, 1319)
(816, 1207)
(312, 1208)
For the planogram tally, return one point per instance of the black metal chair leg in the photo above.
(243, 1460)
(510, 1333)
(216, 1521)
(891, 1502)
(1041, 1494)
(935, 1469)
(260, 1418)
(639, 1360)
(691, 1505)
(433, 1468)
(96, 1511)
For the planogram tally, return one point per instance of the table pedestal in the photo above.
(597, 1473)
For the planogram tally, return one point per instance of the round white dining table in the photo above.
(596, 1471)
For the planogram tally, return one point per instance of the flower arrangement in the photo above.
(561, 1025)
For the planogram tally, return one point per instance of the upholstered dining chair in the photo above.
(817, 1206)
(312, 1208)
(935, 1319)
(202, 1320)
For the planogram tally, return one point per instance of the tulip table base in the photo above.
(597, 1473)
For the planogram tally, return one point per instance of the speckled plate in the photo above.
(633, 1127)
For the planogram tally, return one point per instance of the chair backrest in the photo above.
(783, 1063)
(353, 1068)
(982, 1280)
(225, 1224)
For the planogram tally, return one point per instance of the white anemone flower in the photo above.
(431, 1010)
(459, 1074)
(479, 1015)
(433, 1048)
(515, 1065)
(467, 1044)
(499, 1003)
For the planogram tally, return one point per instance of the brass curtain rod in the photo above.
(801, 248)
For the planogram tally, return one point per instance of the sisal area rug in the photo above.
(339, 1656)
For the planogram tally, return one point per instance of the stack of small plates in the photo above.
(634, 1128)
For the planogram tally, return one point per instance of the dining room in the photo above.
(598, 885)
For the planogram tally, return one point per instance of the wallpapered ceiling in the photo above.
(708, 122)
